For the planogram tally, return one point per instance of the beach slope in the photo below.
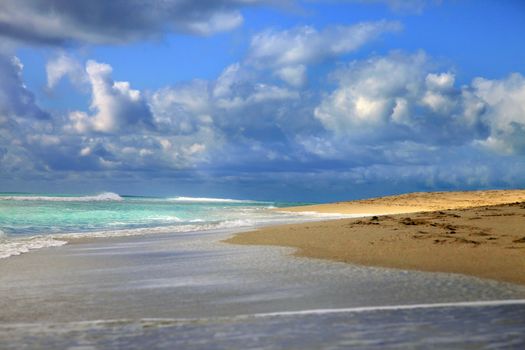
(480, 236)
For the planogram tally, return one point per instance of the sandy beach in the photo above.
(480, 233)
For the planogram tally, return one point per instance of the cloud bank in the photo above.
(398, 118)
(396, 114)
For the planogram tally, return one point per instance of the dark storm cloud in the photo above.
(15, 99)
(58, 22)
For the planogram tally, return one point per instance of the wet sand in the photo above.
(195, 276)
(486, 241)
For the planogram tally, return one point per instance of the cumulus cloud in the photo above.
(306, 44)
(143, 152)
(293, 75)
(402, 97)
(237, 87)
(184, 109)
(288, 51)
(398, 97)
(64, 66)
(403, 6)
(389, 114)
(173, 128)
(230, 103)
(501, 104)
(115, 104)
(19, 113)
(58, 22)
(260, 93)
(241, 117)
(372, 93)
(399, 118)
(15, 99)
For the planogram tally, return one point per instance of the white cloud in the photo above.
(398, 97)
(404, 6)
(440, 82)
(440, 96)
(303, 45)
(228, 102)
(293, 75)
(231, 75)
(183, 109)
(397, 118)
(16, 101)
(115, 105)
(217, 22)
(374, 93)
(20, 116)
(62, 66)
(260, 93)
(237, 88)
(503, 111)
(438, 102)
(289, 51)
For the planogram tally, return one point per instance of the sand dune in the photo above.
(418, 202)
(485, 238)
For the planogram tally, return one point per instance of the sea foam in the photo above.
(19, 246)
(196, 226)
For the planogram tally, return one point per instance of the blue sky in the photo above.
(286, 100)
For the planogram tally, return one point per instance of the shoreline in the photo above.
(462, 240)
(486, 241)
(197, 276)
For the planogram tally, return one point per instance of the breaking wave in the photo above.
(209, 200)
(106, 196)
(17, 246)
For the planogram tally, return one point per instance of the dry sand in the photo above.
(418, 202)
(486, 240)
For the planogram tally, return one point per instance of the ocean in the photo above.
(33, 221)
(163, 279)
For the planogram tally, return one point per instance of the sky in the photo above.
(275, 100)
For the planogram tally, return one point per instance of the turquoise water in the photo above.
(30, 215)
(31, 221)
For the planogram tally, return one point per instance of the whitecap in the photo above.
(105, 196)
(209, 200)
